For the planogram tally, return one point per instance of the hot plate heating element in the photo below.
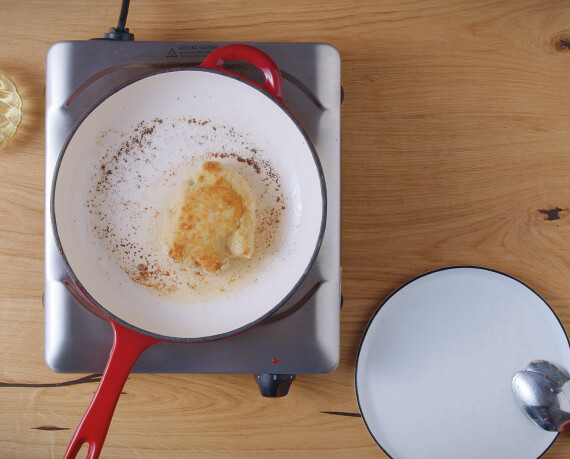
(303, 335)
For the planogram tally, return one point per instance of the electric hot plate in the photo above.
(302, 337)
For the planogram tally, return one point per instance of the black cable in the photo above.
(123, 16)
(120, 32)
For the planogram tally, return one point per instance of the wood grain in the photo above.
(455, 140)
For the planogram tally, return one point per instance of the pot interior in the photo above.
(121, 169)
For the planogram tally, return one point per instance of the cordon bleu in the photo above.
(211, 219)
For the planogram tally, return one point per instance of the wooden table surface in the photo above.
(455, 141)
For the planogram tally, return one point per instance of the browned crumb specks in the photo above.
(126, 219)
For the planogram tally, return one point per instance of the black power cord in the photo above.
(120, 32)
(123, 16)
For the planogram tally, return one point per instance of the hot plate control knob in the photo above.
(272, 385)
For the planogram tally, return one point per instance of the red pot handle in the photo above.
(127, 346)
(246, 53)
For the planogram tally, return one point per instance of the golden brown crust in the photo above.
(206, 220)
(212, 166)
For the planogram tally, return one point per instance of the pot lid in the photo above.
(435, 366)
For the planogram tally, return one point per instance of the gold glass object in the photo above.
(10, 109)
